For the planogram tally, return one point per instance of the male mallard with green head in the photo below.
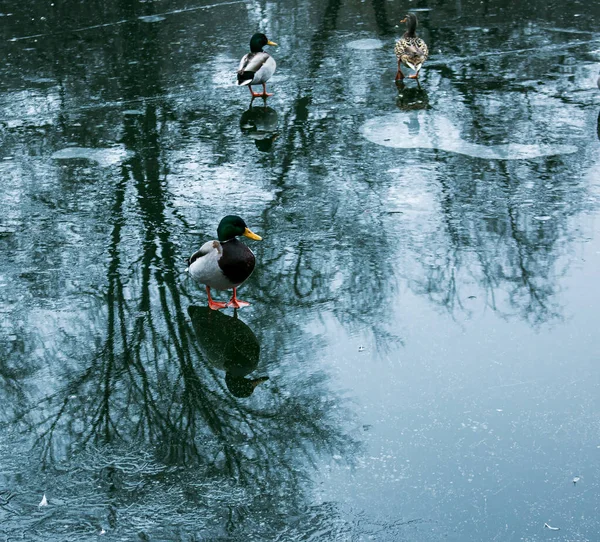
(257, 67)
(410, 49)
(226, 263)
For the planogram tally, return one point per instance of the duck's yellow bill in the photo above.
(269, 42)
(252, 235)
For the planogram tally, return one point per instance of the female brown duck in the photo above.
(410, 50)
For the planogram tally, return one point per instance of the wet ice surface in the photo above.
(428, 130)
(260, 124)
(424, 304)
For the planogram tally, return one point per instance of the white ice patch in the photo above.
(103, 157)
(365, 45)
(428, 130)
(151, 18)
(223, 70)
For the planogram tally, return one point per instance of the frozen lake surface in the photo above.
(420, 361)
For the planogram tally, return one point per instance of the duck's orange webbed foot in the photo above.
(214, 305)
(236, 303)
(254, 94)
(265, 94)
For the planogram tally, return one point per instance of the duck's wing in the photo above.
(422, 48)
(243, 62)
(205, 250)
(413, 47)
(249, 65)
(412, 52)
(399, 47)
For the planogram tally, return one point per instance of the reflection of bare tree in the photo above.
(129, 378)
(500, 227)
(148, 382)
(336, 266)
(496, 240)
(381, 17)
(497, 236)
(145, 384)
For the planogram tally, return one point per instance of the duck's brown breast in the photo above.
(237, 261)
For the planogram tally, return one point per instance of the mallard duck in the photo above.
(410, 50)
(229, 345)
(226, 263)
(257, 67)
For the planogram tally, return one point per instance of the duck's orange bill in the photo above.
(269, 42)
(403, 20)
(252, 235)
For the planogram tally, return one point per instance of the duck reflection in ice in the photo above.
(230, 345)
(260, 123)
(411, 98)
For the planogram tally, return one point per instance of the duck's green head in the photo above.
(233, 226)
(411, 23)
(258, 41)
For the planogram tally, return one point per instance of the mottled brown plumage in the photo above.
(410, 50)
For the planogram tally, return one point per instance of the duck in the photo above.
(257, 67)
(229, 345)
(410, 50)
(224, 264)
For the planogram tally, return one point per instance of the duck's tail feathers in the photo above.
(414, 62)
(245, 78)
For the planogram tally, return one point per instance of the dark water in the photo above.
(426, 299)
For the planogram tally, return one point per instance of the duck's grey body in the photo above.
(256, 68)
(223, 265)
